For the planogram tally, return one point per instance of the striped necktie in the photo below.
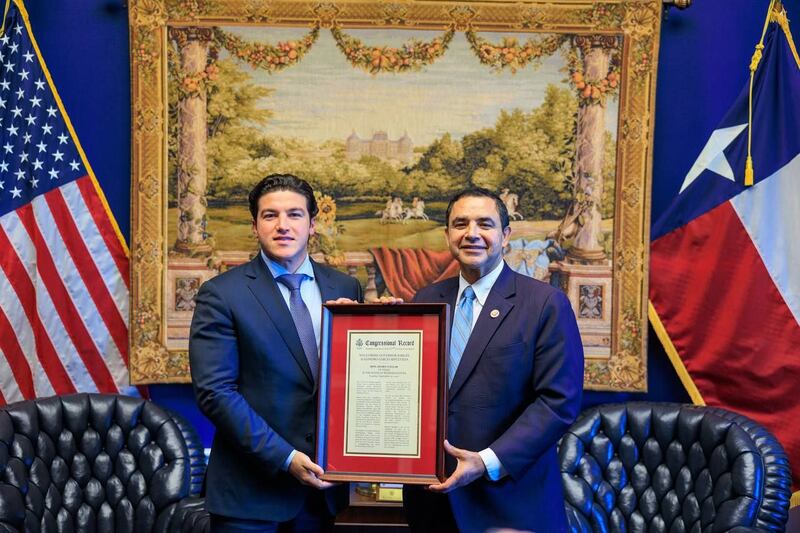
(462, 326)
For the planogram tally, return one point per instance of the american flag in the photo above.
(63, 261)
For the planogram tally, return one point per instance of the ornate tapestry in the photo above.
(388, 109)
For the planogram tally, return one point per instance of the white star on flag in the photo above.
(713, 155)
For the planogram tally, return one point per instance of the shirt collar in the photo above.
(278, 270)
(482, 286)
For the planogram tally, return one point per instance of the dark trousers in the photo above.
(428, 512)
(313, 517)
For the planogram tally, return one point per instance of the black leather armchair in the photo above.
(95, 462)
(643, 466)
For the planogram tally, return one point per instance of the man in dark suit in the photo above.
(254, 362)
(516, 374)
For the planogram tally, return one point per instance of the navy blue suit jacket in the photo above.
(516, 390)
(253, 381)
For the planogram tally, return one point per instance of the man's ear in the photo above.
(506, 235)
(312, 227)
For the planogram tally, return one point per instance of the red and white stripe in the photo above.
(726, 287)
(64, 303)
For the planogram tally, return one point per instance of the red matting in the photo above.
(425, 464)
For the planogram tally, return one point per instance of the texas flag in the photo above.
(725, 258)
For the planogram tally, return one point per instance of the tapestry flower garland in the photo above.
(593, 91)
(411, 56)
(268, 57)
(510, 54)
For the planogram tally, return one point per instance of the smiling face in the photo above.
(476, 236)
(283, 226)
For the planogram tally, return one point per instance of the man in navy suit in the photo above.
(515, 370)
(254, 362)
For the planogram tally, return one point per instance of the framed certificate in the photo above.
(382, 392)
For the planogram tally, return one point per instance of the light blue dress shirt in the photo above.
(312, 297)
(482, 287)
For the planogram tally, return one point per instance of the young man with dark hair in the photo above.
(515, 374)
(254, 363)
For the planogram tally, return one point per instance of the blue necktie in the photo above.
(302, 320)
(462, 326)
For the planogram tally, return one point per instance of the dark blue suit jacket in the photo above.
(517, 389)
(253, 381)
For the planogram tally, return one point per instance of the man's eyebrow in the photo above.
(480, 220)
(290, 210)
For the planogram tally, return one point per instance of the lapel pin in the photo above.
(495, 313)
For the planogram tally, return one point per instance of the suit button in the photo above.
(309, 437)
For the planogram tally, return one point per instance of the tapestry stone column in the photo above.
(191, 165)
(589, 153)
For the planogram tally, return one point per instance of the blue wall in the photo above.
(705, 52)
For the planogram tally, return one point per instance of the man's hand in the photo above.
(391, 300)
(307, 471)
(470, 467)
(341, 300)
(382, 300)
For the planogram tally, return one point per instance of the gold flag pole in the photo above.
(5, 14)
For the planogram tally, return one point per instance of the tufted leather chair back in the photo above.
(197, 457)
(644, 466)
(90, 462)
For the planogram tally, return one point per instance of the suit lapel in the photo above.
(266, 291)
(448, 295)
(326, 287)
(499, 300)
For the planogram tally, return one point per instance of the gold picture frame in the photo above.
(607, 283)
